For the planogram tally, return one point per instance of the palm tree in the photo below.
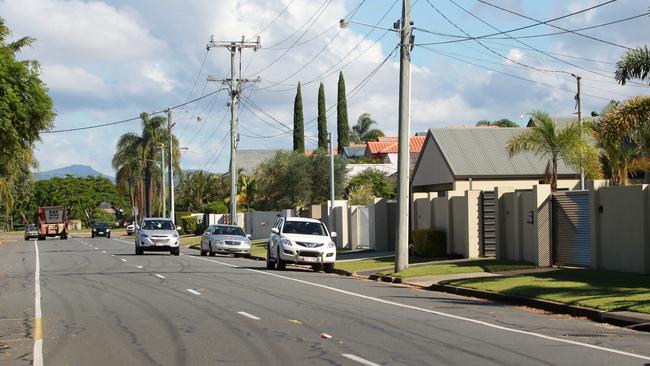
(635, 64)
(548, 142)
(247, 190)
(136, 155)
(362, 131)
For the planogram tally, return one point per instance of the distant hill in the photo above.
(73, 170)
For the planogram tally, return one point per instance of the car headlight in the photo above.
(218, 242)
(108, 230)
(286, 242)
(143, 235)
(331, 245)
(175, 235)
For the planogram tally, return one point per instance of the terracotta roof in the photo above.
(390, 147)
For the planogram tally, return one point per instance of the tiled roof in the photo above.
(391, 147)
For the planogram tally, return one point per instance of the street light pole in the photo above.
(403, 162)
(170, 125)
(162, 169)
(579, 105)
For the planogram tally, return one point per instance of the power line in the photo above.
(134, 118)
(555, 26)
(274, 19)
(524, 27)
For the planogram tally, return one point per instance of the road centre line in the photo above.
(123, 260)
(250, 316)
(139, 267)
(193, 291)
(358, 359)
(103, 251)
(159, 276)
(38, 323)
(439, 313)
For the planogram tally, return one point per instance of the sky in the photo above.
(105, 61)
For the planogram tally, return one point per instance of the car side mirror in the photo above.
(178, 228)
(249, 236)
(333, 234)
(275, 230)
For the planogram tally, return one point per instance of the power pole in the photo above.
(403, 161)
(234, 47)
(330, 214)
(170, 163)
(579, 106)
(162, 169)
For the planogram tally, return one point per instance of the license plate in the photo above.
(101, 233)
(310, 259)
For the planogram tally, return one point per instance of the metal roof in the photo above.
(248, 160)
(481, 152)
(354, 151)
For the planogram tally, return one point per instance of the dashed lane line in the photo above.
(358, 359)
(159, 276)
(250, 316)
(123, 260)
(192, 291)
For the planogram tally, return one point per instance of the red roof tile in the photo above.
(390, 147)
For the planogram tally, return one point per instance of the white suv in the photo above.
(300, 240)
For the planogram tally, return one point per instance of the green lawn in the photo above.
(471, 266)
(258, 247)
(191, 241)
(609, 291)
(374, 263)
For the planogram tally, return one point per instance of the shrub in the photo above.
(429, 243)
(200, 228)
(178, 215)
(361, 195)
(216, 207)
(188, 223)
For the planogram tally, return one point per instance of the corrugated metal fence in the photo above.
(571, 229)
(488, 242)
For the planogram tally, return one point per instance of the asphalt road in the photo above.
(102, 305)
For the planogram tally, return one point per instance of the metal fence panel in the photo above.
(571, 229)
(488, 242)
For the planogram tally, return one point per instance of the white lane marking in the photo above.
(96, 248)
(140, 267)
(193, 291)
(123, 260)
(38, 332)
(212, 260)
(123, 241)
(358, 359)
(250, 316)
(457, 317)
(159, 276)
(103, 251)
(112, 255)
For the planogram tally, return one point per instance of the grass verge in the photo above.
(609, 291)
(258, 248)
(472, 266)
(369, 264)
(191, 241)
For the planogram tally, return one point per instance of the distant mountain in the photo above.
(73, 170)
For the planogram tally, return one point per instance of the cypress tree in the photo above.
(342, 127)
(298, 124)
(322, 119)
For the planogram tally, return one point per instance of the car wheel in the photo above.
(175, 252)
(270, 264)
(329, 267)
(26, 238)
(281, 264)
(210, 251)
(317, 267)
(92, 236)
(109, 236)
(203, 252)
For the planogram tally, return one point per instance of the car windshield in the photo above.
(101, 225)
(31, 227)
(158, 225)
(304, 227)
(228, 230)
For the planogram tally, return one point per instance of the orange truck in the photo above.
(52, 221)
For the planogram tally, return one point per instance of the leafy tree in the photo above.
(247, 189)
(635, 64)
(504, 122)
(298, 123)
(322, 119)
(216, 207)
(136, 158)
(81, 196)
(342, 128)
(363, 132)
(198, 188)
(381, 184)
(293, 180)
(548, 142)
(25, 111)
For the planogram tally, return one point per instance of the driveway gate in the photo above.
(488, 247)
(571, 229)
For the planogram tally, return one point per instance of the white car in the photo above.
(157, 235)
(298, 240)
(225, 239)
(130, 230)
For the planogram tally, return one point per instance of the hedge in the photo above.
(429, 243)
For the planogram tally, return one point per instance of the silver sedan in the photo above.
(225, 239)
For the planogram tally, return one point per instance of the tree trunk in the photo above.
(554, 176)
(147, 190)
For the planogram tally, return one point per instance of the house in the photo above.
(248, 160)
(354, 152)
(476, 159)
(386, 149)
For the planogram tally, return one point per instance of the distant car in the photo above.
(130, 230)
(157, 234)
(225, 239)
(31, 231)
(101, 229)
(300, 240)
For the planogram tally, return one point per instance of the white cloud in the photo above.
(74, 80)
